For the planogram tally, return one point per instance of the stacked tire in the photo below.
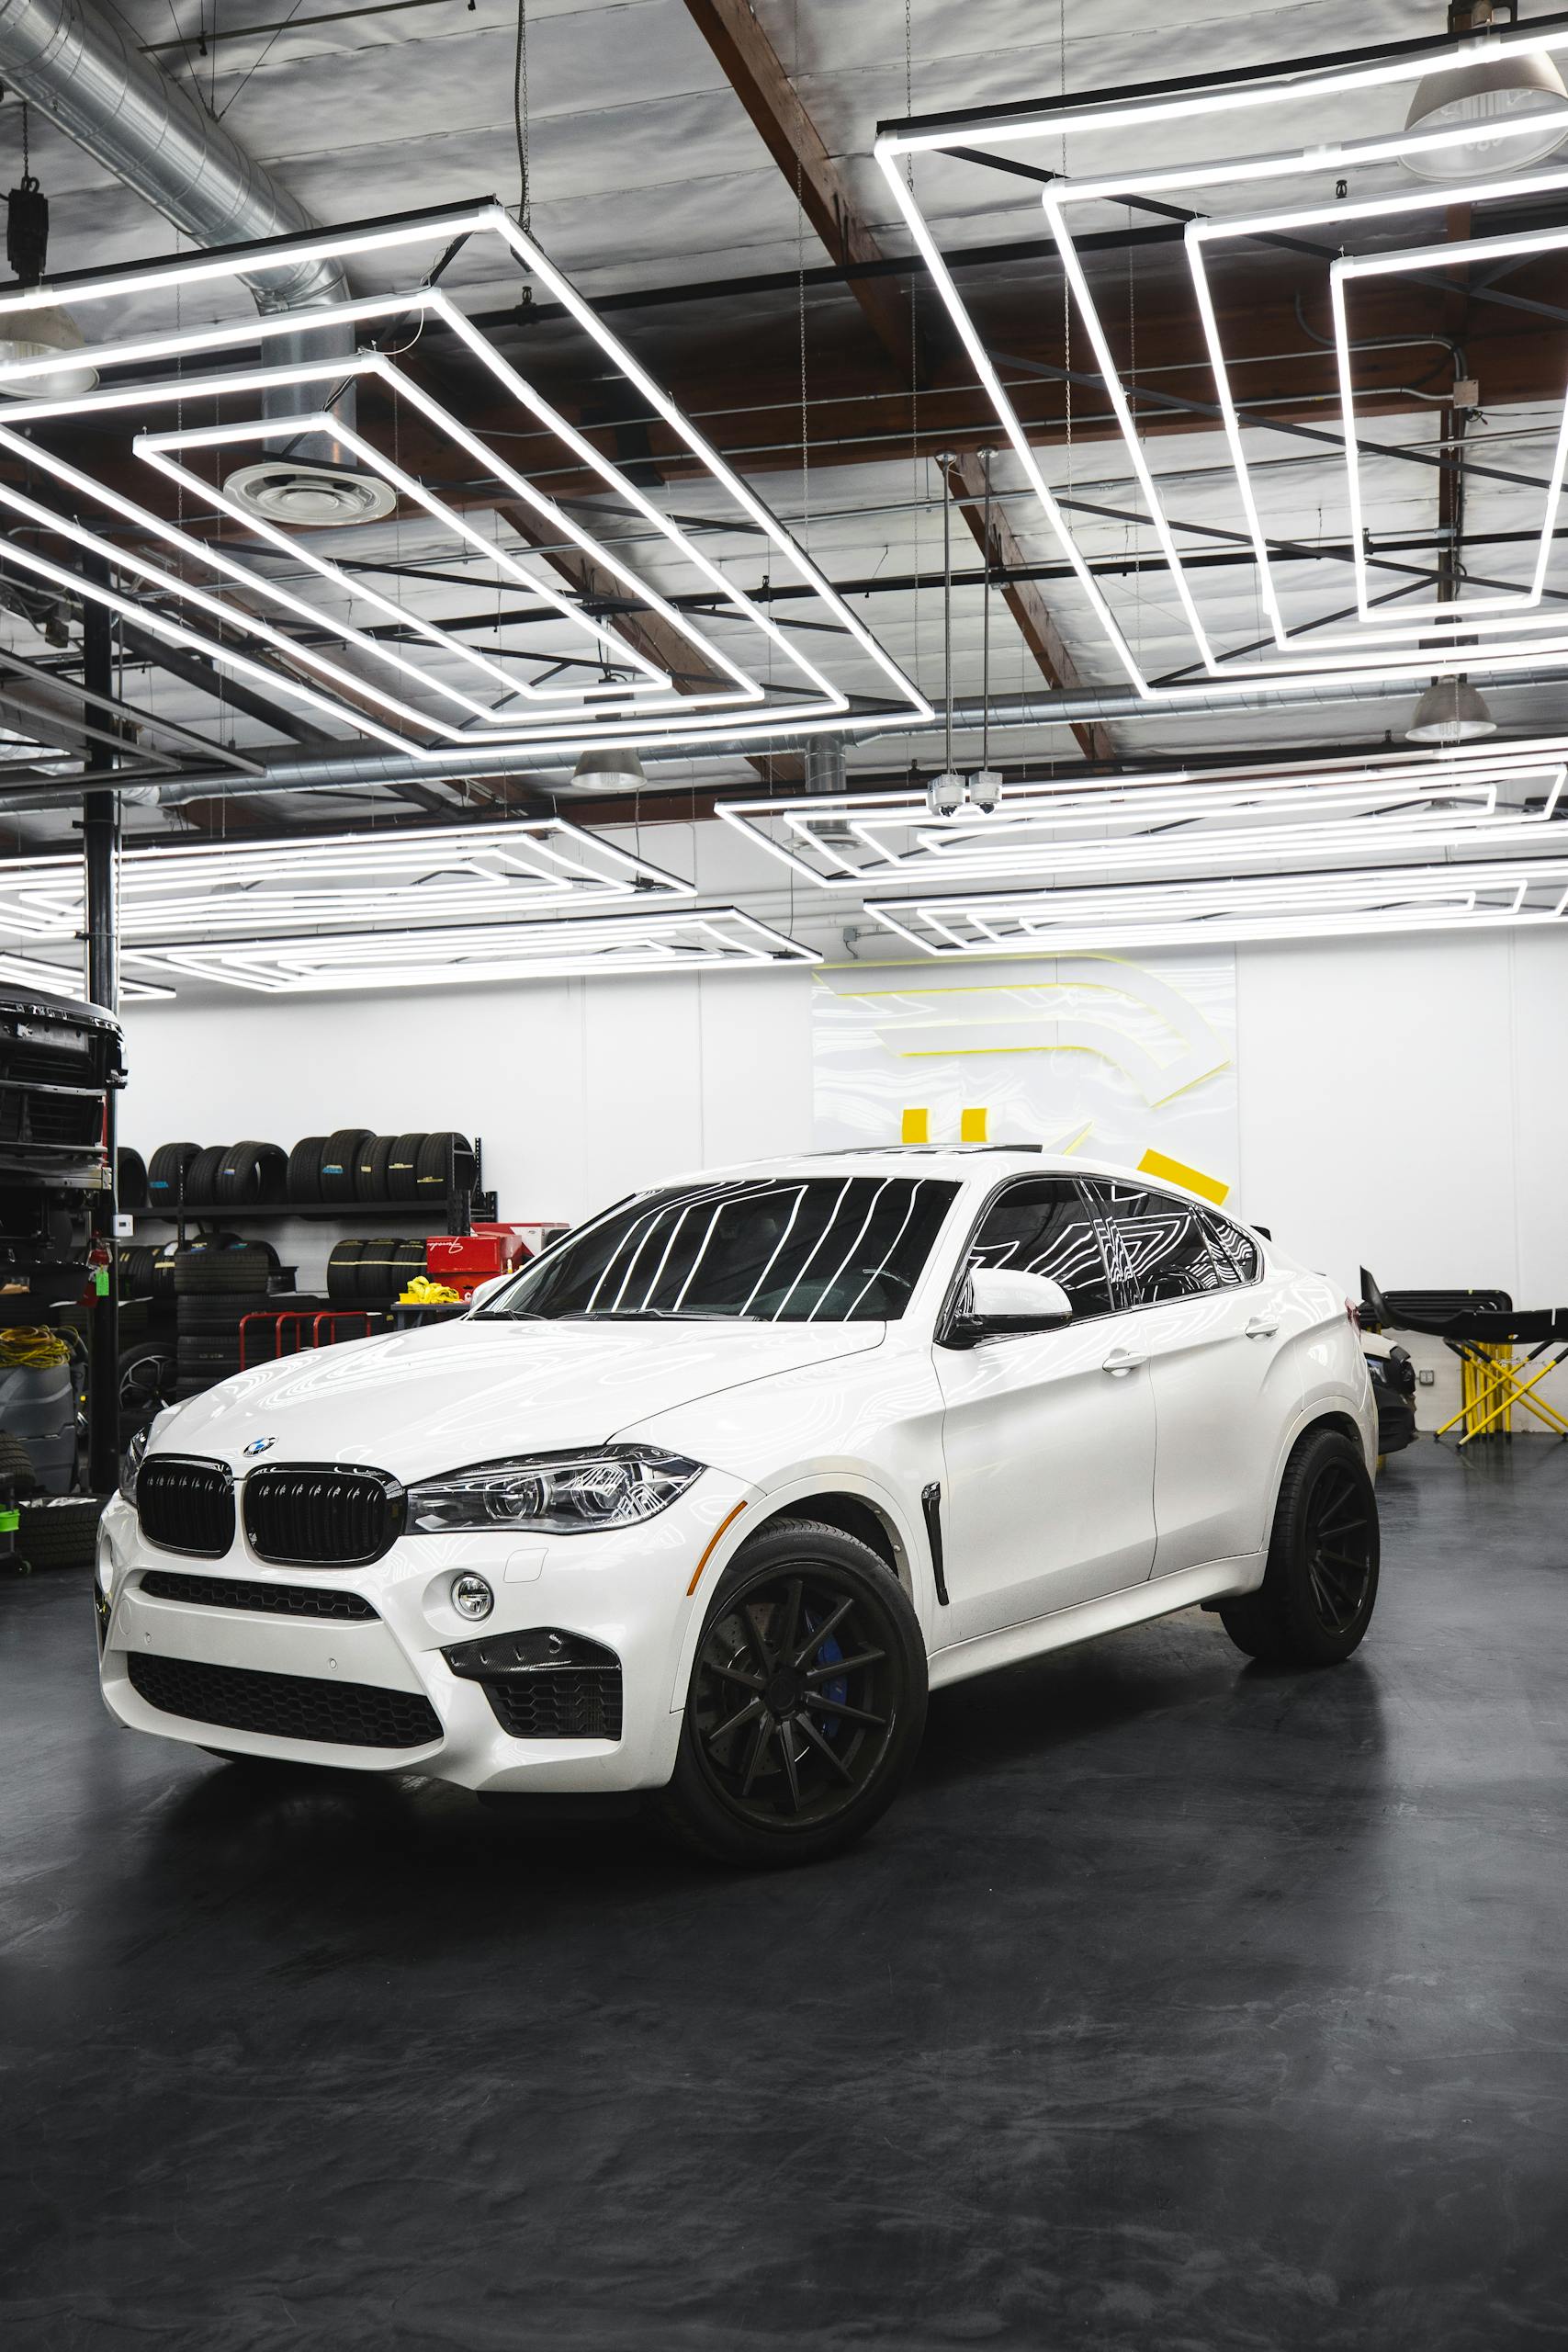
(372, 1274)
(351, 1164)
(214, 1290)
(166, 1172)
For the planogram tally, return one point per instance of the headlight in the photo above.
(131, 1462)
(556, 1494)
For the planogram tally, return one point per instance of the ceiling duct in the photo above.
(825, 764)
(77, 67)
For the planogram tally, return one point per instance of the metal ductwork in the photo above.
(328, 770)
(75, 64)
(825, 764)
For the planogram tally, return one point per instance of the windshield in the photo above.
(774, 1250)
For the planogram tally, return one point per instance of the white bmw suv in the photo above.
(705, 1499)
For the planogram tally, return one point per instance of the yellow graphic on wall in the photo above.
(1129, 1063)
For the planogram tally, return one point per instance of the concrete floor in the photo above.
(1178, 2005)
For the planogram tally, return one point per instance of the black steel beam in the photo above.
(100, 842)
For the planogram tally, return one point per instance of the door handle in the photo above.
(1262, 1327)
(1121, 1359)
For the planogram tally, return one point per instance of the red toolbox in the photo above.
(464, 1260)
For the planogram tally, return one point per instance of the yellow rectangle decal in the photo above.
(916, 1127)
(1176, 1172)
(972, 1126)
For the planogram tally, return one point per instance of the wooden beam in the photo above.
(966, 480)
(753, 70)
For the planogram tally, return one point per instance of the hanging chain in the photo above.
(1066, 296)
(800, 277)
(26, 159)
(986, 623)
(946, 464)
(520, 122)
(918, 487)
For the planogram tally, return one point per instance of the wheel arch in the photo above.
(852, 1513)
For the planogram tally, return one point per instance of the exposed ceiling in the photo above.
(661, 136)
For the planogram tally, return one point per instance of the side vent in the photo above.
(930, 1503)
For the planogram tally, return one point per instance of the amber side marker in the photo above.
(712, 1542)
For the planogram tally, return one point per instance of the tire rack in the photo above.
(457, 1202)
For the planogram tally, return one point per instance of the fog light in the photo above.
(471, 1597)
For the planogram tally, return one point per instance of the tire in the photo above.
(130, 1179)
(201, 1176)
(136, 1272)
(304, 1177)
(402, 1168)
(1321, 1584)
(16, 1465)
(205, 1313)
(756, 1790)
(446, 1165)
(370, 1169)
(378, 1276)
(166, 1172)
(412, 1261)
(254, 1175)
(245, 1270)
(342, 1272)
(147, 1377)
(60, 1533)
(340, 1157)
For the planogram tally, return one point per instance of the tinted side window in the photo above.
(1042, 1226)
(1159, 1245)
(1235, 1248)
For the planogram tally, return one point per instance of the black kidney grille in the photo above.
(558, 1702)
(267, 1599)
(283, 1706)
(185, 1506)
(322, 1518)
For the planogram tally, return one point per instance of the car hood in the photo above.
(417, 1402)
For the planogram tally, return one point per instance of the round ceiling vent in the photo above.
(316, 498)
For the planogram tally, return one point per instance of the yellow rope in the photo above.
(30, 1343)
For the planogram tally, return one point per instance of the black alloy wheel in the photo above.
(806, 1701)
(1339, 1553)
(147, 1377)
(1321, 1580)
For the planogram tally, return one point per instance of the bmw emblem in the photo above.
(259, 1445)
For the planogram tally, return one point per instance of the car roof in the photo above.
(966, 1162)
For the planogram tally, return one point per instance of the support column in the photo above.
(100, 843)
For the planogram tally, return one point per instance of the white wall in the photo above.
(1403, 1102)
(579, 1091)
(1402, 1107)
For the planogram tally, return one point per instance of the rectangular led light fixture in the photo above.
(1234, 154)
(66, 979)
(1353, 902)
(1399, 804)
(383, 669)
(387, 878)
(669, 939)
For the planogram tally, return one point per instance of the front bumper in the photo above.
(624, 1589)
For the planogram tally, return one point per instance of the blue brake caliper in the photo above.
(837, 1688)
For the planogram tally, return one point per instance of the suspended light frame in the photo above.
(487, 697)
(667, 941)
(1401, 803)
(66, 979)
(1380, 645)
(423, 874)
(1220, 910)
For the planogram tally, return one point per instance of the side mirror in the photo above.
(482, 1291)
(999, 1300)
